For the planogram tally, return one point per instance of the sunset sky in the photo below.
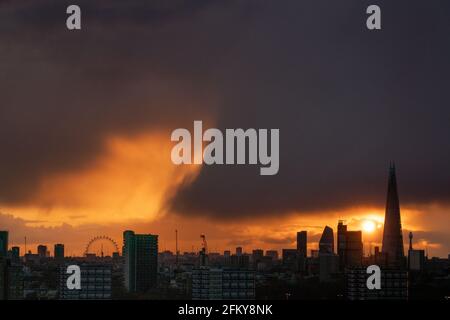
(86, 118)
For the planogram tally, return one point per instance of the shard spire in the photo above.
(392, 234)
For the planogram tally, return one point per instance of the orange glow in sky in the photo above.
(369, 226)
(127, 187)
(129, 182)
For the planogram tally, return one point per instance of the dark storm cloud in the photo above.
(346, 100)
(133, 67)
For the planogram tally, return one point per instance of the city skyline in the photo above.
(371, 225)
(141, 270)
(371, 239)
(87, 115)
(368, 246)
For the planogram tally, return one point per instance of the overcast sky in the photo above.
(347, 100)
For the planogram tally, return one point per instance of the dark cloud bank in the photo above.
(347, 100)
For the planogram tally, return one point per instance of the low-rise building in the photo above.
(96, 283)
(394, 284)
(216, 284)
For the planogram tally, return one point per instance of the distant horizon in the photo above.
(311, 246)
(86, 118)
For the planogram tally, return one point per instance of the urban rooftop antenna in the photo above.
(176, 247)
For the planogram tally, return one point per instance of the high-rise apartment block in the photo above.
(140, 253)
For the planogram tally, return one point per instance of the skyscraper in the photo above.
(353, 248)
(3, 243)
(140, 252)
(392, 234)
(42, 251)
(302, 243)
(59, 251)
(301, 250)
(328, 261)
(341, 237)
(349, 247)
(326, 243)
(15, 253)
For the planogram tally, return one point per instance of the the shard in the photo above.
(392, 234)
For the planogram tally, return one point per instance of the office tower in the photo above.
(410, 241)
(59, 251)
(326, 243)
(328, 261)
(42, 251)
(353, 253)
(302, 243)
(216, 284)
(239, 251)
(341, 239)
(140, 261)
(3, 243)
(392, 234)
(302, 250)
(96, 282)
(227, 253)
(15, 253)
(273, 254)
(349, 247)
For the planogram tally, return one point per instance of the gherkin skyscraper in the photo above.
(392, 234)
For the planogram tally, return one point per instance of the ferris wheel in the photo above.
(100, 239)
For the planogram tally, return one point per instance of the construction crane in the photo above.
(204, 244)
(203, 252)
